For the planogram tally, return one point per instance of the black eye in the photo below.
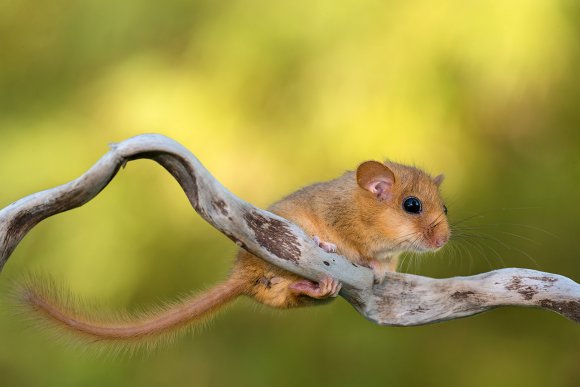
(445, 209)
(412, 205)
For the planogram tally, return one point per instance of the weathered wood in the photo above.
(401, 299)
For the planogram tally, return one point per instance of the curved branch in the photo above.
(402, 299)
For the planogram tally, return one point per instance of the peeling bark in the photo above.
(401, 299)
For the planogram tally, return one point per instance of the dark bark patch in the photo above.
(570, 309)
(462, 295)
(544, 279)
(515, 284)
(527, 292)
(21, 224)
(180, 169)
(418, 309)
(274, 235)
(221, 206)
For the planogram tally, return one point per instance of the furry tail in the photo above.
(58, 309)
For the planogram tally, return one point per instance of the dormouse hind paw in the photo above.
(328, 287)
(326, 246)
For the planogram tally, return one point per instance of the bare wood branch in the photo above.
(402, 299)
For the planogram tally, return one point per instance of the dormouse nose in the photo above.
(437, 234)
(440, 241)
(439, 237)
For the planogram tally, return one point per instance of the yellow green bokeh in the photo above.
(271, 96)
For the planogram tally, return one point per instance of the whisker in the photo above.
(483, 254)
(466, 219)
(521, 237)
(495, 226)
(434, 220)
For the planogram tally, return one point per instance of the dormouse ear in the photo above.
(376, 178)
(439, 179)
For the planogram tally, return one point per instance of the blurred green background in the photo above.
(272, 96)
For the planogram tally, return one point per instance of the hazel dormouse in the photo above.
(370, 216)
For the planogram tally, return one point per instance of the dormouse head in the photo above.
(404, 206)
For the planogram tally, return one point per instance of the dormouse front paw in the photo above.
(326, 246)
(380, 269)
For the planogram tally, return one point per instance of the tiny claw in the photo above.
(335, 287)
(328, 287)
(326, 246)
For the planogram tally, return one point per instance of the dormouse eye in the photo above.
(445, 209)
(412, 205)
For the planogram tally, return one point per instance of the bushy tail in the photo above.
(56, 308)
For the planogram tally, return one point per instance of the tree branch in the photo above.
(401, 299)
